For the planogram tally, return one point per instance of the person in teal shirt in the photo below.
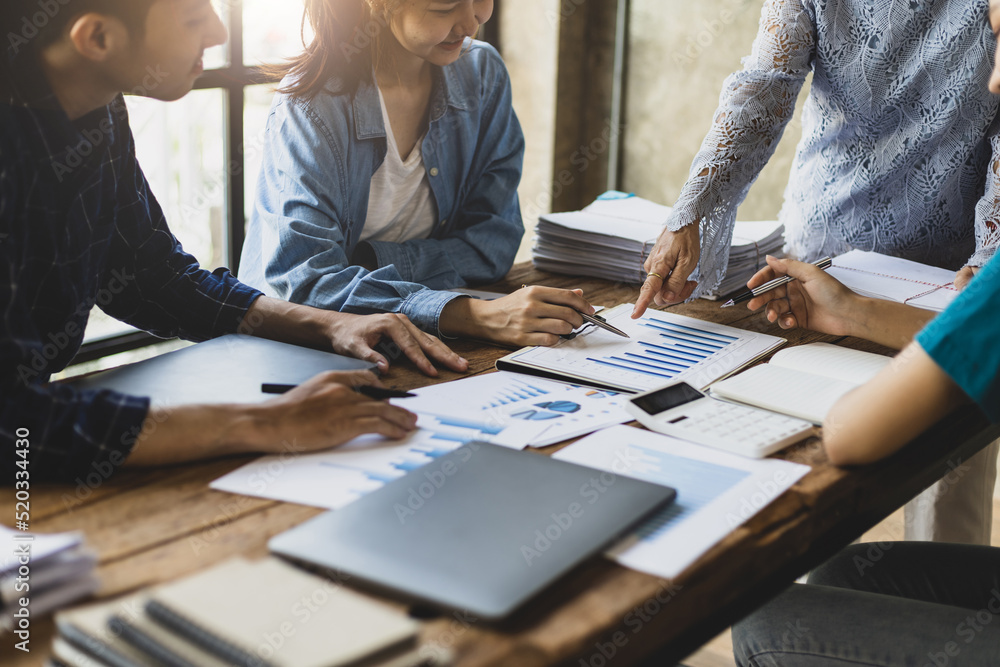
(922, 602)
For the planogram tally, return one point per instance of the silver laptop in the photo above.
(481, 529)
(228, 369)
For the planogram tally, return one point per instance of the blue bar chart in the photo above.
(663, 348)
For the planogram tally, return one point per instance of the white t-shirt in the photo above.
(400, 206)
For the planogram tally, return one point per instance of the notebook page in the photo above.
(895, 279)
(785, 390)
(831, 361)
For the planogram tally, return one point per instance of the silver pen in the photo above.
(824, 264)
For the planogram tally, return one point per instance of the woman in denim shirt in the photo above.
(391, 164)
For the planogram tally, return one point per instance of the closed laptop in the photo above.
(481, 529)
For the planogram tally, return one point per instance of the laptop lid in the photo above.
(228, 369)
(481, 529)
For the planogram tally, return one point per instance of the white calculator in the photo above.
(684, 412)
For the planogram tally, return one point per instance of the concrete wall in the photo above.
(681, 52)
(528, 33)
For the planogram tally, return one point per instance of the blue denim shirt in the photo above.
(312, 196)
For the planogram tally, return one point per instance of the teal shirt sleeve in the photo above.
(963, 340)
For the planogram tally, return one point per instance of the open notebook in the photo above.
(803, 381)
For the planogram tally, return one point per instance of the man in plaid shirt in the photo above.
(79, 227)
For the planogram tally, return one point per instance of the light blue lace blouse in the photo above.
(899, 146)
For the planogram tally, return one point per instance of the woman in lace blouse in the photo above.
(897, 137)
(899, 154)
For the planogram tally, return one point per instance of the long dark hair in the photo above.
(349, 37)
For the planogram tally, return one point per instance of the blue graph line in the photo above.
(697, 483)
(704, 347)
(469, 424)
(701, 331)
(373, 475)
(432, 452)
(687, 363)
(676, 351)
(672, 364)
(639, 363)
(657, 363)
(634, 370)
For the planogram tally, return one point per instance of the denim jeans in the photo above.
(890, 603)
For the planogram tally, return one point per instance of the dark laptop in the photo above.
(481, 529)
(228, 369)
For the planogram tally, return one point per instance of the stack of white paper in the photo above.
(884, 277)
(40, 573)
(752, 242)
(612, 237)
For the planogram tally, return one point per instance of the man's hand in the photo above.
(357, 336)
(674, 257)
(530, 316)
(321, 413)
(326, 412)
(360, 336)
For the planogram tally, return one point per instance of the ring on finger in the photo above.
(653, 275)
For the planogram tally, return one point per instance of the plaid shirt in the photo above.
(79, 227)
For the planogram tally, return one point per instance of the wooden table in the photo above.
(157, 525)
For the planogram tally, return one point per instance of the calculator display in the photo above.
(667, 398)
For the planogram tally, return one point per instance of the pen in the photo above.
(597, 321)
(824, 264)
(376, 393)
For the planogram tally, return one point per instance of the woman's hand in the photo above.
(674, 257)
(965, 276)
(814, 300)
(529, 316)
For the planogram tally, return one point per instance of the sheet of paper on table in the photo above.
(504, 408)
(716, 492)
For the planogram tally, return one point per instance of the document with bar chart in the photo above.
(663, 348)
(716, 492)
(336, 477)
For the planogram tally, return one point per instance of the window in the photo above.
(198, 153)
(202, 154)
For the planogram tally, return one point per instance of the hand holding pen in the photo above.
(809, 298)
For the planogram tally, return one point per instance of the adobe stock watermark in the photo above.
(102, 471)
(634, 621)
(967, 631)
(94, 138)
(232, 510)
(435, 477)
(40, 359)
(591, 493)
(33, 24)
(767, 490)
(702, 35)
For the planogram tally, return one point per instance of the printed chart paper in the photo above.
(664, 348)
(503, 408)
(716, 492)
